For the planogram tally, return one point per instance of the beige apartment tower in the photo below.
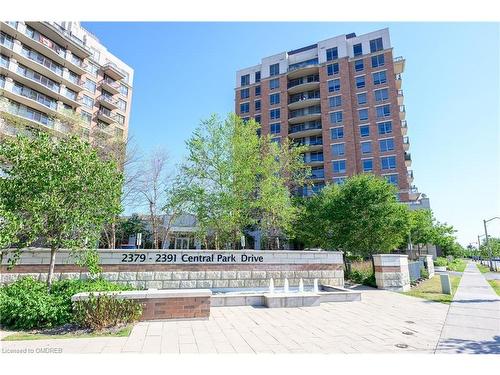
(49, 70)
(341, 97)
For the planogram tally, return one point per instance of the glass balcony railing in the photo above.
(317, 173)
(304, 96)
(300, 81)
(30, 114)
(309, 125)
(108, 99)
(79, 62)
(303, 64)
(37, 77)
(69, 35)
(12, 24)
(34, 95)
(111, 83)
(2, 82)
(4, 61)
(37, 37)
(311, 158)
(6, 40)
(315, 141)
(314, 110)
(42, 60)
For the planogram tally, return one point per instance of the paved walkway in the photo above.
(376, 324)
(473, 321)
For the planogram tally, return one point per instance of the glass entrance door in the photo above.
(181, 243)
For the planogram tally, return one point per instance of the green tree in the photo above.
(59, 191)
(361, 217)
(494, 244)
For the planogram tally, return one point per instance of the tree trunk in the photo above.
(51, 267)
(113, 236)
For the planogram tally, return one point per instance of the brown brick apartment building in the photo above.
(342, 97)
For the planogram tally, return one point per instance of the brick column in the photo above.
(391, 272)
(429, 264)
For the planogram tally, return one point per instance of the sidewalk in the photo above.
(473, 322)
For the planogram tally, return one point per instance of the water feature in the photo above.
(301, 286)
(286, 288)
(315, 286)
(271, 285)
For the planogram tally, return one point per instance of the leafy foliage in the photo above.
(58, 191)
(441, 262)
(104, 311)
(361, 217)
(27, 303)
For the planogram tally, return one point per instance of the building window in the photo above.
(385, 128)
(257, 118)
(338, 149)
(274, 69)
(257, 90)
(332, 54)
(245, 107)
(274, 84)
(379, 77)
(274, 98)
(364, 130)
(381, 95)
(392, 179)
(337, 133)
(275, 128)
(376, 45)
(87, 101)
(336, 117)
(366, 147)
(122, 104)
(367, 165)
(386, 144)
(245, 119)
(383, 111)
(257, 105)
(245, 93)
(388, 162)
(358, 65)
(274, 114)
(339, 180)
(357, 49)
(363, 114)
(334, 85)
(87, 117)
(378, 60)
(362, 98)
(360, 82)
(124, 90)
(257, 76)
(245, 80)
(90, 85)
(92, 69)
(120, 119)
(335, 101)
(316, 156)
(339, 166)
(332, 69)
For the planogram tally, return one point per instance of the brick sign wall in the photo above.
(166, 269)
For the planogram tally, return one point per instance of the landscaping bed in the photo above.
(431, 290)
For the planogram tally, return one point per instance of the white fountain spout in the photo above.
(271, 285)
(285, 286)
(315, 287)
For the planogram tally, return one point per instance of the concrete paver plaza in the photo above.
(375, 324)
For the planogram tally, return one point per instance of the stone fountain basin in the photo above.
(294, 298)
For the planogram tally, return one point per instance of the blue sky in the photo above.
(186, 71)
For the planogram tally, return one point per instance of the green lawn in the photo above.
(431, 289)
(495, 284)
(457, 265)
(18, 336)
(482, 268)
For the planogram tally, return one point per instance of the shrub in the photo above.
(27, 304)
(103, 311)
(441, 262)
(424, 274)
(362, 273)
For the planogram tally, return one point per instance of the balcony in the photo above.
(40, 42)
(406, 143)
(36, 118)
(399, 81)
(112, 70)
(404, 127)
(407, 159)
(410, 176)
(312, 143)
(303, 68)
(399, 65)
(304, 114)
(304, 99)
(402, 112)
(317, 174)
(30, 98)
(106, 115)
(110, 85)
(305, 128)
(413, 193)
(400, 97)
(306, 83)
(313, 159)
(108, 102)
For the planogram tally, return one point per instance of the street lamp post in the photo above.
(487, 241)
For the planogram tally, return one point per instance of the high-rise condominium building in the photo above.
(341, 97)
(49, 70)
